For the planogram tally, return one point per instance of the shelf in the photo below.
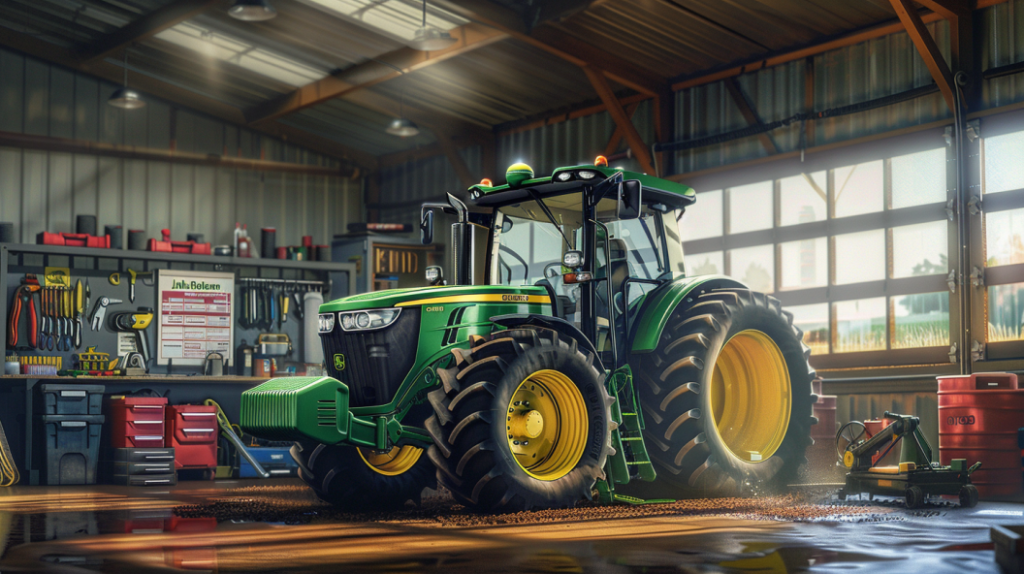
(177, 257)
(146, 378)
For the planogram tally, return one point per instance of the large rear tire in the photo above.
(521, 421)
(361, 479)
(726, 396)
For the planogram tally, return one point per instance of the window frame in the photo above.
(829, 228)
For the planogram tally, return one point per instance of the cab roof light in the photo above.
(486, 182)
(601, 161)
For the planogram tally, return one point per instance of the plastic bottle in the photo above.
(244, 243)
(238, 234)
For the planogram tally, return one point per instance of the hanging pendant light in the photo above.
(252, 10)
(401, 126)
(125, 97)
(428, 39)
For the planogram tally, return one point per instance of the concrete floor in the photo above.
(276, 526)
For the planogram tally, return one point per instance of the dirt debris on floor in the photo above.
(298, 505)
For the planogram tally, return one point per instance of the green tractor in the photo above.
(586, 359)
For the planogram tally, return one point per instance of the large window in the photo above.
(1003, 235)
(857, 253)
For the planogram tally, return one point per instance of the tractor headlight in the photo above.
(326, 322)
(368, 320)
(563, 176)
(586, 174)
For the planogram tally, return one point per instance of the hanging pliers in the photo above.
(23, 296)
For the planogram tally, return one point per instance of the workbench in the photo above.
(180, 383)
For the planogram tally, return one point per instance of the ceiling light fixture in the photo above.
(252, 10)
(428, 38)
(124, 97)
(401, 126)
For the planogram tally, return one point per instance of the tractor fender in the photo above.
(548, 322)
(661, 303)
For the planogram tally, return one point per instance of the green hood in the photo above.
(438, 295)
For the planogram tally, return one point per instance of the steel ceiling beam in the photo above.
(372, 72)
(145, 27)
(949, 9)
(928, 49)
(622, 120)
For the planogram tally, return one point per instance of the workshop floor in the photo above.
(252, 526)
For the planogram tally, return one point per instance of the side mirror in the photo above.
(628, 200)
(435, 276)
(427, 228)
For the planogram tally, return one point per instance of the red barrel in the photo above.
(979, 416)
(825, 411)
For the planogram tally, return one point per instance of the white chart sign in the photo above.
(195, 312)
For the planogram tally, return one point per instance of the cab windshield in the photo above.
(527, 247)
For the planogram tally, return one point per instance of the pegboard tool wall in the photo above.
(97, 269)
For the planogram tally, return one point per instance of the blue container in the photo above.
(275, 460)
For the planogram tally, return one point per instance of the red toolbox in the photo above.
(192, 432)
(167, 246)
(137, 422)
(73, 239)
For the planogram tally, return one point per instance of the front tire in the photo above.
(521, 421)
(360, 479)
(726, 396)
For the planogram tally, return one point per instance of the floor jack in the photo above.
(916, 477)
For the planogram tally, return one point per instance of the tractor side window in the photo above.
(638, 243)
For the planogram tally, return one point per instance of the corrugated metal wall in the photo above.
(42, 191)
(404, 188)
(858, 73)
(571, 142)
(1003, 29)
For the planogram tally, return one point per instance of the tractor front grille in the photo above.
(375, 362)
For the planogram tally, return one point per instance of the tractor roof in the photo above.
(567, 179)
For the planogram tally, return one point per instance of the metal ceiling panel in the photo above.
(498, 83)
(355, 126)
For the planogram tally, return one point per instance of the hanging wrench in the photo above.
(99, 312)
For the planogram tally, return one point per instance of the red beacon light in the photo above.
(601, 161)
(486, 182)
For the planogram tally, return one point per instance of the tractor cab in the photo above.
(595, 238)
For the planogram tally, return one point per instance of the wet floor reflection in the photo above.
(140, 532)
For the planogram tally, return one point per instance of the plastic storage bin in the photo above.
(70, 447)
(277, 461)
(137, 422)
(69, 399)
(192, 433)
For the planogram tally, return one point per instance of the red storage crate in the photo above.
(73, 239)
(192, 432)
(137, 422)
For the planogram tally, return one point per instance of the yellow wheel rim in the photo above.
(546, 425)
(751, 396)
(396, 461)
